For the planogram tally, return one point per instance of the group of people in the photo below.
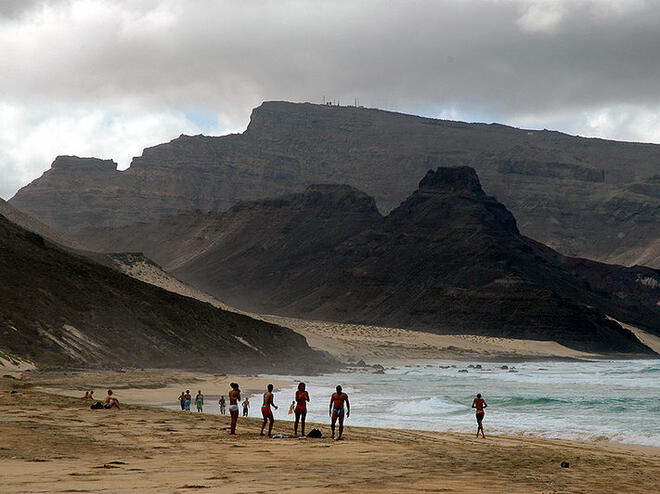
(185, 398)
(223, 406)
(340, 407)
(108, 402)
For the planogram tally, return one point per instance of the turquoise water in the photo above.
(616, 401)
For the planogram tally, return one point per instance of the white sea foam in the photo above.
(615, 401)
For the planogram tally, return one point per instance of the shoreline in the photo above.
(53, 440)
(154, 388)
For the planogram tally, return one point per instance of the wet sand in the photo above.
(55, 443)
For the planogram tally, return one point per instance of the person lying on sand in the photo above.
(302, 397)
(234, 397)
(221, 402)
(246, 406)
(337, 401)
(110, 401)
(267, 412)
(479, 403)
(199, 400)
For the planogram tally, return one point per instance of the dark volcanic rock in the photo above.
(61, 309)
(449, 259)
(586, 197)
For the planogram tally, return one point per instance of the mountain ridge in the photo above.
(64, 310)
(449, 259)
(585, 197)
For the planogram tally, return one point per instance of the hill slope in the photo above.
(60, 309)
(450, 260)
(587, 197)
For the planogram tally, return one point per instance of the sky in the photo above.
(109, 78)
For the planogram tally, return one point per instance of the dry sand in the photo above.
(375, 344)
(55, 443)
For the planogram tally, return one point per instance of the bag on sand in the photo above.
(315, 433)
(96, 406)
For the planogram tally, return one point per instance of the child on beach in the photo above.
(222, 402)
(291, 407)
(199, 399)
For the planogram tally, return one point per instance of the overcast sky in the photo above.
(108, 78)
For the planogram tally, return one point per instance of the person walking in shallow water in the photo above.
(199, 400)
(479, 403)
(337, 401)
(182, 400)
(246, 406)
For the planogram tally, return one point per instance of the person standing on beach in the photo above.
(188, 399)
(182, 400)
(199, 399)
(337, 401)
(221, 402)
(246, 405)
(267, 412)
(234, 397)
(302, 397)
(479, 403)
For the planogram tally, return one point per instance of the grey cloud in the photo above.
(507, 60)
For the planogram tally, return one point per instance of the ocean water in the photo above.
(615, 401)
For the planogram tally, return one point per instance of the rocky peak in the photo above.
(455, 179)
(75, 162)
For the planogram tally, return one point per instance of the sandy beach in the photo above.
(55, 443)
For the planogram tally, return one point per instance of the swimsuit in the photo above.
(480, 415)
(301, 406)
(338, 411)
(233, 408)
(266, 411)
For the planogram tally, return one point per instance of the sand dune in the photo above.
(374, 344)
(55, 443)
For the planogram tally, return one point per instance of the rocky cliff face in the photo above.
(449, 259)
(59, 309)
(587, 197)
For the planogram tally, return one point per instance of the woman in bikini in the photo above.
(234, 397)
(479, 403)
(302, 397)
